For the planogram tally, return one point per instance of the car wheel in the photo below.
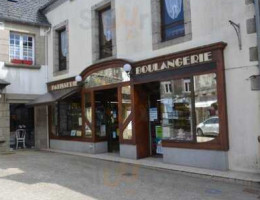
(200, 132)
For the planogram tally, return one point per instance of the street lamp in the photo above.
(78, 78)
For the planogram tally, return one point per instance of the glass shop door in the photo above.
(106, 117)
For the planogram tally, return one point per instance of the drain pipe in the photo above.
(257, 17)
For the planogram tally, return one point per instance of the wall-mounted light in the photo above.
(238, 32)
(78, 78)
(128, 69)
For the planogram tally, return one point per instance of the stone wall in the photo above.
(23, 29)
(41, 127)
(4, 125)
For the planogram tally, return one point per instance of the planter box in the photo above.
(27, 62)
(16, 61)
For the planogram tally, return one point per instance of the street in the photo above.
(30, 175)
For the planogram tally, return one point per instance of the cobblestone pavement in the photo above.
(33, 175)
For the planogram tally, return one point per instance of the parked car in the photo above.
(209, 127)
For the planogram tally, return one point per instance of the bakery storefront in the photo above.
(172, 106)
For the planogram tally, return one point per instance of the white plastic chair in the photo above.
(20, 137)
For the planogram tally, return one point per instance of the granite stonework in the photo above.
(80, 147)
(41, 130)
(4, 126)
(128, 151)
(217, 160)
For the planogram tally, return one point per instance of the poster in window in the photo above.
(159, 135)
(73, 133)
(103, 130)
(79, 133)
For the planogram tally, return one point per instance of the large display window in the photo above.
(176, 100)
(189, 109)
(66, 117)
(108, 105)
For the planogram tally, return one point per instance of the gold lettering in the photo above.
(178, 62)
(144, 69)
(164, 66)
(186, 60)
(155, 67)
(194, 59)
(208, 56)
(138, 70)
(150, 68)
(201, 57)
(170, 64)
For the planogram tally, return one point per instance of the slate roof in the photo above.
(24, 11)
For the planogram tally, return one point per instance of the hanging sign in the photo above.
(174, 63)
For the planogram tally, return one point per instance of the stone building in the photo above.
(22, 65)
(174, 79)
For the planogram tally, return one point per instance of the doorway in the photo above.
(148, 122)
(22, 117)
(106, 117)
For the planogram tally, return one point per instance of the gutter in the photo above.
(257, 16)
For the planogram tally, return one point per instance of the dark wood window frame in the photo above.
(61, 59)
(101, 31)
(163, 26)
(216, 66)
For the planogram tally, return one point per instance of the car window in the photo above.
(210, 121)
(216, 120)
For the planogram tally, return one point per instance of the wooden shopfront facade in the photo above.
(172, 106)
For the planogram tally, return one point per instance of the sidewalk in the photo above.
(156, 163)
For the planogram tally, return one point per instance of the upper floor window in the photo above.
(106, 32)
(172, 22)
(63, 49)
(21, 48)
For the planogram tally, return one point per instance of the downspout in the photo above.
(47, 74)
(46, 50)
(257, 17)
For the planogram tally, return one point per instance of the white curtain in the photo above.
(107, 24)
(64, 43)
(173, 7)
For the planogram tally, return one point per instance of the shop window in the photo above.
(190, 111)
(172, 22)
(21, 48)
(63, 49)
(126, 113)
(66, 118)
(106, 32)
(206, 107)
(88, 115)
(126, 102)
(106, 77)
(176, 112)
(128, 132)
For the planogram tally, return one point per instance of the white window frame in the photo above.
(188, 83)
(21, 46)
(168, 87)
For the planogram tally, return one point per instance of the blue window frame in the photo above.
(172, 19)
